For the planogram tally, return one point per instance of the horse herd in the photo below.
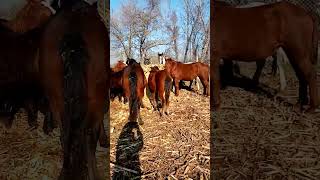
(128, 81)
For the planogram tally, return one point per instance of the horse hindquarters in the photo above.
(134, 100)
(75, 111)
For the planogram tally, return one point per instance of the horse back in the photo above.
(185, 72)
(255, 33)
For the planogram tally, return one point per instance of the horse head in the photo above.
(131, 61)
(169, 64)
(154, 69)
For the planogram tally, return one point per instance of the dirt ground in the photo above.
(172, 147)
(26, 154)
(260, 137)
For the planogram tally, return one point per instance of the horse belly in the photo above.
(245, 38)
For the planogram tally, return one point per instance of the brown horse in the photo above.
(228, 64)
(188, 72)
(160, 83)
(34, 14)
(119, 66)
(116, 89)
(21, 90)
(74, 61)
(265, 29)
(134, 83)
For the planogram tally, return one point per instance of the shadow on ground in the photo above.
(130, 143)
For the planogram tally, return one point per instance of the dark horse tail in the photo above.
(75, 57)
(134, 103)
(167, 87)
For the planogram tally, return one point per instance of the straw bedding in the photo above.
(26, 154)
(255, 137)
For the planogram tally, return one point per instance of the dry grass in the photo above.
(26, 154)
(260, 138)
(174, 146)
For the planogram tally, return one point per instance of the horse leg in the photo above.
(153, 101)
(228, 69)
(103, 138)
(274, 64)
(311, 77)
(260, 64)
(139, 115)
(92, 127)
(8, 120)
(176, 86)
(163, 103)
(190, 85)
(205, 84)
(215, 83)
(126, 96)
(307, 76)
(32, 114)
(48, 124)
(166, 105)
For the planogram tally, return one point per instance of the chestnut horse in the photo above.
(119, 66)
(22, 89)
(278, 57)
(134, 83)
(74, 61)
(116, 89)
(33, 15)
(160, 84)
(265, 29)
(187, 72)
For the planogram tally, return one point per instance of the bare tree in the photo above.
(191, 24)
(123, 28)
(196, 29)
(172, 27)
(134, 28)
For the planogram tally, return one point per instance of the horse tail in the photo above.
(167, 87)
(133, 100)
(75, 57)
